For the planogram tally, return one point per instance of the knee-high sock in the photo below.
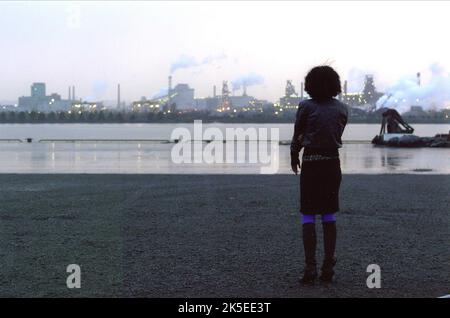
(329, 239)
(309, 243)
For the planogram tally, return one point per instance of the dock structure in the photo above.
(167, 141)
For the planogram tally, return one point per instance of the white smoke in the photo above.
(247, 80)
(161, 93)
(431, 94)
(187, 61)
(355, 79)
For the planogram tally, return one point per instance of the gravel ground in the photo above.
(216, 236)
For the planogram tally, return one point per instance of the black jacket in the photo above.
(319, 125)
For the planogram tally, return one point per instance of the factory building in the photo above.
(233, 103)
(290, 100)
(82, 107)
(416, 112)
(147, 106)
(207, 103)
(366, 99)
(238, 104)
(38, 90)
(40, 101)
(182, 96)
(241, 101)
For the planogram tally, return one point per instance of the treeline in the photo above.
(83, 117)
(133, 117)
(107, 116)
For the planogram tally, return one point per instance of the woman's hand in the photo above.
(296, 147)
(295, 164)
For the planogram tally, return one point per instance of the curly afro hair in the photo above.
(322, 83)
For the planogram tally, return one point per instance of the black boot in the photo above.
(329, 244)
(309, 244)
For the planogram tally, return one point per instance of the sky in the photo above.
(96, 45)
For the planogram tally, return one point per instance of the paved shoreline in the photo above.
(216, 235)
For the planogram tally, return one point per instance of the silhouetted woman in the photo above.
(319, 126)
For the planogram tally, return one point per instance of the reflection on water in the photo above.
(163, 131)
(370, 159)
(156, 158)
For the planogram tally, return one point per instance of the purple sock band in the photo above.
(308, 218)
(329, 217)
(311, 218)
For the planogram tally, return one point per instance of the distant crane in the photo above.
(393, 123)
(385, 101)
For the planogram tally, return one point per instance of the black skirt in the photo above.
(319, 184)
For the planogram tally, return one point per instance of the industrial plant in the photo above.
(179, 100)
(40, 101)
(182, 98)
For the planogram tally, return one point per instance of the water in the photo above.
(358, 156)
(162, 131)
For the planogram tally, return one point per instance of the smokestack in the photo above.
(118, 95)
(214, 91)
(73, 92)
(245, 90)
(418, 78)
(169, 90)
(345, 88)
(302, 88)
(70, 94)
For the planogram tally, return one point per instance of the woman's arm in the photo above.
(296, 143)
(296, 147)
